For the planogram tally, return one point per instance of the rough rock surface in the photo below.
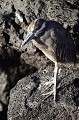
(26, 100)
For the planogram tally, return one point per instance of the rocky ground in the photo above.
(26, 69)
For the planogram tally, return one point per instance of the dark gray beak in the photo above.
(29, 37)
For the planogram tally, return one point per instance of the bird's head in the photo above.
(34, 30)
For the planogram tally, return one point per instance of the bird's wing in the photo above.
(63, 45)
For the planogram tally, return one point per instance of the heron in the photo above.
(54, 41)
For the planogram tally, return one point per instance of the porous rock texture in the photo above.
(30, 68)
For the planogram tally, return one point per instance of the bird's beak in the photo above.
(29, 37)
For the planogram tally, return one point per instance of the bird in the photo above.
(54, 41)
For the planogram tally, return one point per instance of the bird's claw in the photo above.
(48, 93)
(48, 83)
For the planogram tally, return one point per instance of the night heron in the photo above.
(54, 41)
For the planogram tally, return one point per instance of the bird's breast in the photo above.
(48, 51)
(40, 45)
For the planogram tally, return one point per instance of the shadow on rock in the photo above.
(76, 97)
(76, 33)
(13, 65)
(12, 69)
(3, 114)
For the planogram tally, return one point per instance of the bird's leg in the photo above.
(59, 71)
(55, 79)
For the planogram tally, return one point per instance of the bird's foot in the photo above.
(48, 83)
(53, 92)
(49, 94)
